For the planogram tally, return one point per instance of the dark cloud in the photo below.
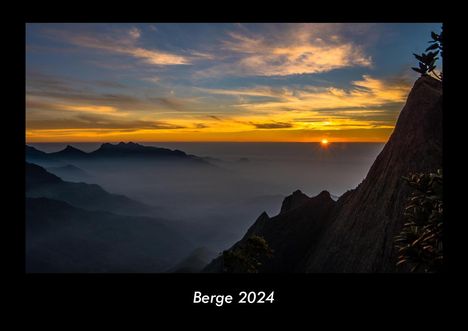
(201, 126)
(48, 86)
(39, 85)
(215, 117)
(272, 125)
(111, 84)
(388, 106)
(38, 81)
(171, 103)
(85, 121)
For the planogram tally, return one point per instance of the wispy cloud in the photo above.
(367, 92)
(272, 125)
(369, 103)
(48, 92)
(124, 43)
(93, 121)
(302, 49)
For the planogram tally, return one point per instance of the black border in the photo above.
(324, 292)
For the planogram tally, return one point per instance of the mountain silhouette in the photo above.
(34, 155)
(34, 152)
(293, 201)
(356, 233)
(194, 262)
(63, 238)
(136, 150)
(107, 151)
(70, 173)
(69, 153)
(41, 183)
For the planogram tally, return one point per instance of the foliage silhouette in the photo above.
(427, 61)
(419, 243)
(247, 257)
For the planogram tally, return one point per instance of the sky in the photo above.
(285, 82)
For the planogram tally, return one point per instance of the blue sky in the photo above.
(218, 82)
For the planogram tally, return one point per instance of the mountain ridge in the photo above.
(41, 183)
(116, 151)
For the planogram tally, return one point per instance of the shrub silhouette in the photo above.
(247, 257)
(419, 243)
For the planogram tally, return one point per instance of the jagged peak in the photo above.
(294, 200)
(263, 216)
(71, 148)
(323, 194)
(123, 145)
(137, 148)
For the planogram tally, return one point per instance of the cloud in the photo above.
(261, 91)
(86, 108)
(93, 121)
(168, 102)
(367, 103)
(111, 84)
(134, 33)
(367, 92)
(216, 118)
(152, 79)
(272, 125)
(290, 50)
(125, 43)
(47, 93)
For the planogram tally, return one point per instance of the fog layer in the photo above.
(214, 204)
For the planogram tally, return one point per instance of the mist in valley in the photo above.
(214, 202)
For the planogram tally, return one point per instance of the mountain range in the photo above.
(80, 227)
(107, 151)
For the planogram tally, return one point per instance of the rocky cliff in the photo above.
(355, 234)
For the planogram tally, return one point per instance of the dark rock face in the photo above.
(289, 233)
(355, 234)
(293, 201)
(361, 237)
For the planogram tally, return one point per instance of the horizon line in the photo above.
(220, 141)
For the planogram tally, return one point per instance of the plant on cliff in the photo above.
(247, 257)
(419, 243)
(427, 60)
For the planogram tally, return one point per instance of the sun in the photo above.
(324, 142)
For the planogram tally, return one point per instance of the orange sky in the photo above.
(258, 83)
